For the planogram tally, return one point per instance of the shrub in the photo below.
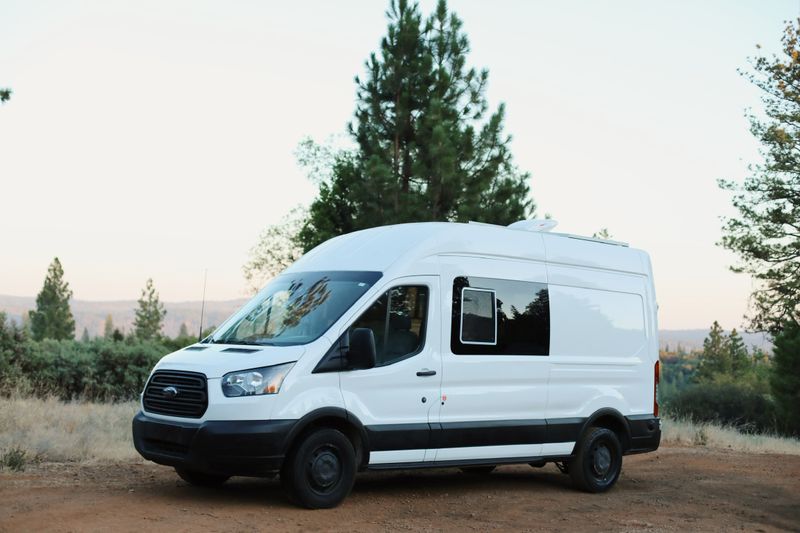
(100, 369)
(732, 404)
(14, 459)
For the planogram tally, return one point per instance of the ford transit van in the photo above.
(419, 346)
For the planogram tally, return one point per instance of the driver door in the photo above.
(399, 398)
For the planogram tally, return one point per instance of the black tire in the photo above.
(598, 463)
(200, 479)
(478, 470)
(321, 470)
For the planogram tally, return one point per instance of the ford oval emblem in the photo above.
(169, 392)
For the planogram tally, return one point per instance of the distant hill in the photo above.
(692, 339)
(92, 314)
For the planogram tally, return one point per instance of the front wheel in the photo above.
(321, 471)
(597, 465)
(200, 479)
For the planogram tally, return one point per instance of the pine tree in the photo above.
(108, 327)
(740, 360)
(785, 379)
(427, 147)
(183, 332)
(85, 335)
(766, 236)
(53, 318)
(715, 358)
(149, 318)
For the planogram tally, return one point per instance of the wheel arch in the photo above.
(612, 419)
(335, 418)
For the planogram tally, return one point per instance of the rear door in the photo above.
(399, 398)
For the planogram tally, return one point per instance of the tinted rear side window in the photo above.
(500, 317)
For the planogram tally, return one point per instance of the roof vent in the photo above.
(537, 224)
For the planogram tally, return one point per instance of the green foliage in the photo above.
(728, 403)
(766, 235)
(101, 369)
(52, 318)
(277, 248)
(150, 315)
(723, 355)
(677, 372)
(5, 95)
(785, 379)
(724, 383)
(12, 342)
(428, 149)
(14, 459)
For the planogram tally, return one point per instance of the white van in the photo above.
(418, 346)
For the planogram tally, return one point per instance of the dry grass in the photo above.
(687, 433)
(52, 430)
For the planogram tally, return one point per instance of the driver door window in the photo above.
(397, 319)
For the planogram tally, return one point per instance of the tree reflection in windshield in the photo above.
(297, 308)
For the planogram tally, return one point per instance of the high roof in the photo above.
(388, 247)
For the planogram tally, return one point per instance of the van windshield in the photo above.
(295, 308)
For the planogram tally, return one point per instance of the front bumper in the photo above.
(233, 448)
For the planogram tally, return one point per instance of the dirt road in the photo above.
(674, 489)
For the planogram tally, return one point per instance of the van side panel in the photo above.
(600, 342)
(492, 405)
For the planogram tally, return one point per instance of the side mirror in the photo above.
(362, 351)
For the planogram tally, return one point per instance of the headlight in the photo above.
(266, 380)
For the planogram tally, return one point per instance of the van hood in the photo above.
(216, 360)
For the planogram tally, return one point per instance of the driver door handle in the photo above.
(425, 372)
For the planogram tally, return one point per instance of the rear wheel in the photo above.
(597, 465)
(200, 479)
(478, 470)
(321, 471)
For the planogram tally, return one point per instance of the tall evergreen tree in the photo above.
(785, 379)
(427, 146)
(740, 360)
(108, 327)
(85, 335)
(766, 234)
(183, 332)
(53, 318)
(715, 358)
(149, 319)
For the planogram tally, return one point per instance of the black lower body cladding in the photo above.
(246, 447)
(256, 447)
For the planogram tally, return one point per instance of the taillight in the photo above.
(655, 388)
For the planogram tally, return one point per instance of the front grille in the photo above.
(191, 400)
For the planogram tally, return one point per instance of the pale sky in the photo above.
(156, 139)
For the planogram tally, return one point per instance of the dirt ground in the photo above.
(674, 489)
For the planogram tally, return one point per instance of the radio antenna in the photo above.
(202, 306)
